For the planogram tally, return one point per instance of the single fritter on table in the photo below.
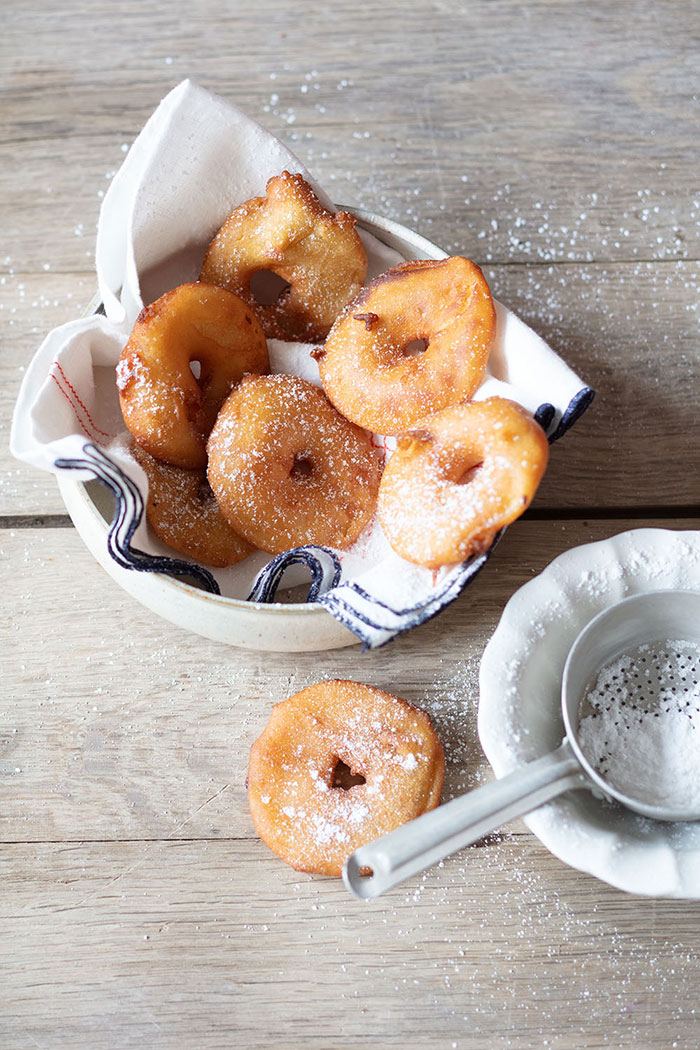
(289, 233)
(458, 477)
(414, 341)
(287, 469)
(307, 812)
(183, 512)
(168, 410)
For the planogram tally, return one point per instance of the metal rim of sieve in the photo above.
(647, 618)
(643, 618)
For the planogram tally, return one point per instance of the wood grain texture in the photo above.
(571, 124)
(557, 145)
(30, 306)
(629, 329)
(599, 167)
(190, 944)
(120, 725)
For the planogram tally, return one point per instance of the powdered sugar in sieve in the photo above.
(630, 706)
(640, 723)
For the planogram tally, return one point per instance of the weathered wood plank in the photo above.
(524, 136)
(213, 944)
(30, 306)
(482, 126)
(630, 330)
(118, 725)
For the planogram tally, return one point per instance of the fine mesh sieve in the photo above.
(642, 654)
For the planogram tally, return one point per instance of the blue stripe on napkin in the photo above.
(128, 511)
(373, 620)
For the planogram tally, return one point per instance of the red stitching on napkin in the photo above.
(94, 426)
(72, 389)
(80, 422)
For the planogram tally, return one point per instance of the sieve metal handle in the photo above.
(420, 843)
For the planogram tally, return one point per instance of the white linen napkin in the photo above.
(196, 159)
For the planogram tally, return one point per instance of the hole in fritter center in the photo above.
(302, 467)
(415, 348)
(204, 491)
(267, 287)
(196, 369)
(469, 474)
(344, 778)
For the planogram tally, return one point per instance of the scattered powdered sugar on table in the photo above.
(641, 729)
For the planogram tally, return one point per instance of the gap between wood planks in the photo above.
(63, 521)
(494, 838)
(633, 261)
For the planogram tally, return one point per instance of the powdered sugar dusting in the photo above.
(642, 727)
(269, 426)
(315, 821)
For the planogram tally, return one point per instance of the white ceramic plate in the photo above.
(520, 706)
(278, 626)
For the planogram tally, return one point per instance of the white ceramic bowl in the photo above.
(278, 626)
(520, 706)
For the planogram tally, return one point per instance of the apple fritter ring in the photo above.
(289, 233)
(414, 341)
(338, 765)
(183, 512)
(458, 477)
(168, 410)
(287, 469)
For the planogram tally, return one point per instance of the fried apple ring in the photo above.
(183, 512)
(392, 761)
(319, 254)
(369, 366)
(457, 478)
(168, 411)
(287, 469)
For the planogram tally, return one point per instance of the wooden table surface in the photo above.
(555, 143)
